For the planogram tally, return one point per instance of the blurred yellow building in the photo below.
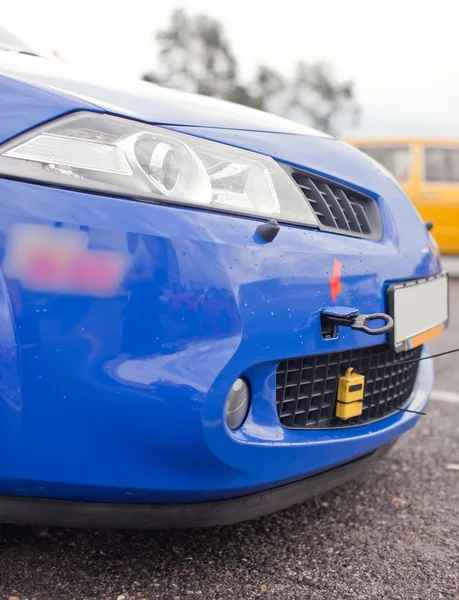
(428, 171)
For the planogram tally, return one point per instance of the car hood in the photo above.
(142, 100)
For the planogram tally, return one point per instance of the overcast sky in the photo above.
(402, 54)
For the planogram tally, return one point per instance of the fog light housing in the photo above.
(237, 404)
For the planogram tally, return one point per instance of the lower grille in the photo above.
(306, 387)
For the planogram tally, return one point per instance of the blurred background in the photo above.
(353, 68)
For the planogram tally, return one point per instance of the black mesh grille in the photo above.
(339, 208)
(306, 387)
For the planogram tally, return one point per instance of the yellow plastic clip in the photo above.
(351, 388)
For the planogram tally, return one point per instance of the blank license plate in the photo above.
(419, 309)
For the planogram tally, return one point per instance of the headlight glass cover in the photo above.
(114, 155)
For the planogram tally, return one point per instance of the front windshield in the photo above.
(11, 42)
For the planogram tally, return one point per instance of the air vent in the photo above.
(306, 387)
(340, 209)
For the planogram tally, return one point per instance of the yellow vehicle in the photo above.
(428, 171)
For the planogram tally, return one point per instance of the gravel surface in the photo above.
(447, 367)
(393, 534)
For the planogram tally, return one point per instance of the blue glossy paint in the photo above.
(122, 398)
(24, 106)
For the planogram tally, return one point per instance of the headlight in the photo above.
(118, 156)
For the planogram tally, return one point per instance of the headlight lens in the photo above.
(119, 156)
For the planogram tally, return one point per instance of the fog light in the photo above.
(237, 404)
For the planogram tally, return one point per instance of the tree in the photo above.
(268, 85)
(195, 56)
(316, 93)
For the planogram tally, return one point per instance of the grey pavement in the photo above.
(447, 367)
(393, 534)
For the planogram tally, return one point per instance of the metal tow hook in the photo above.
(334, 316)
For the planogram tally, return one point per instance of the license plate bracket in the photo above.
(420, 309)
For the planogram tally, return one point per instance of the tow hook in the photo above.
(333, 317)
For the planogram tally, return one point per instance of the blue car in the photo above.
(207, 313)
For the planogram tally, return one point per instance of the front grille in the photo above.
(306, 387)
(340, 209)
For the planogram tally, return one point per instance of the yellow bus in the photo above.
(428, 171)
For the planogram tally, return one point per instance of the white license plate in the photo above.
(419, 309)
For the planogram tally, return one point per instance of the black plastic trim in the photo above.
(101, 515)
(268, 231)
(377, 231)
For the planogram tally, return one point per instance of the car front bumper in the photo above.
(121, 399)
(104, 515)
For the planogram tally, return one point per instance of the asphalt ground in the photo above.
(392, 534)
